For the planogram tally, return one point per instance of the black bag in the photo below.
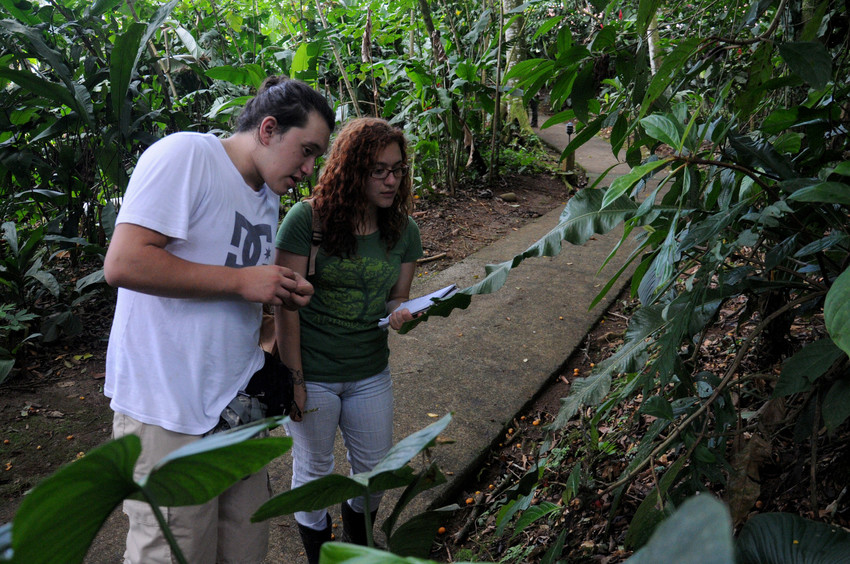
(272, 386)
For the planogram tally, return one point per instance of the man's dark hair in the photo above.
(288, 101)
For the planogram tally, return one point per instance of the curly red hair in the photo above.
(339, 197)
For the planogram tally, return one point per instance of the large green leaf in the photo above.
(23, 15)
(6, 366)
(416, 536)
(655, 507)
(672, 66)
(400, 454)
(836, 404)
(836, 311)
(338, 552)
(662, 128)
(582, 218)
(100, 7)
(38, 86)
(391, 472)
(58, 520)
(154, 25)
(842, 169)
(582, 91)
(809, 60)
(647, 10)
(699, 532)
(324, 492)
(251, 75)
(121, 68)
(48, 54)
(427, 479)
(756, 153)
(305, 61)
(806, 366)
(783, 538)
(204, 469)
(823, 192)
(624, 183)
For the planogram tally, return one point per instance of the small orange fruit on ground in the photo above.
(536, 422)
(441, 531)
(469, 501)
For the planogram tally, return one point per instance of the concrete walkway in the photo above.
(483, 364)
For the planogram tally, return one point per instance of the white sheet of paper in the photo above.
(421, 303)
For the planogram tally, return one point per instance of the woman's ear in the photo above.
(268, 129)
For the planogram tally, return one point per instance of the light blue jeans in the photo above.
(363, 411)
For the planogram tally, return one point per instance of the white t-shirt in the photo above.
(177, 363)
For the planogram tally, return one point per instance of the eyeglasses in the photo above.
(382, 173)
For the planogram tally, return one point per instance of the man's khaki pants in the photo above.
(219, 531)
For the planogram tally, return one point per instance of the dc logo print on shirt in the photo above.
(252, 244)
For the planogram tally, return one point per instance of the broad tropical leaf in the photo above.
(809, 60)
(58, 520)
(783, 538)
(704, 522)
(836, 311)
(801, 370)
(204, 469)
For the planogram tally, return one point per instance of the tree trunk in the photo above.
(497, 126)
(653, 38)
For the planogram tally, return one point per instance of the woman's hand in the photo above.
(399, 317)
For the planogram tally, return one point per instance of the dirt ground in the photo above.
(52, 407)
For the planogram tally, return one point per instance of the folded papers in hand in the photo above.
(420, 304)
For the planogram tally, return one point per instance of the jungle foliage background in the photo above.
(732, 115)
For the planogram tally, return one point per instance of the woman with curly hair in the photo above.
(361, 271)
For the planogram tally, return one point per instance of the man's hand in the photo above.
(274, 285)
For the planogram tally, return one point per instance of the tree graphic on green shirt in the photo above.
(356, 290)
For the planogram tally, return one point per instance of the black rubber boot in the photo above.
(313, 540)
(354, 525)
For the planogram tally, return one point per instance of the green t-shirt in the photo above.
(340, 337)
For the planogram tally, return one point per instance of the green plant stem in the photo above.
(166, 530)
(730, 373)
(813, 469)
(367, 517)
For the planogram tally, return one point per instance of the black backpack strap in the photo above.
(315, 241)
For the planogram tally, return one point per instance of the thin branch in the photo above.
(763, 37)
(709, 162)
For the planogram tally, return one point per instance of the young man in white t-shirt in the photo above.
(191, 256)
